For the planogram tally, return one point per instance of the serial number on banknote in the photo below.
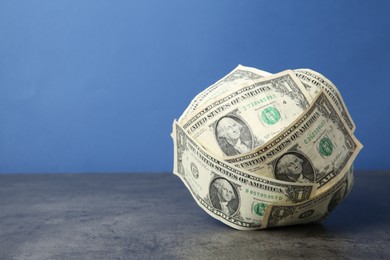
(264, 196)
(258, 102)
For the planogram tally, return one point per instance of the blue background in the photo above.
(93, 86)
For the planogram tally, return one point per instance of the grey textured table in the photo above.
(153, 216)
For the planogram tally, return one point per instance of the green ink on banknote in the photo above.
(326, 146)
(259, 208)
(270, 115)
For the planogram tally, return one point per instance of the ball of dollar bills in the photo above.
(259, 150)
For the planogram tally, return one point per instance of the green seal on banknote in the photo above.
(326, 146)
(259, 208)
(270, 115)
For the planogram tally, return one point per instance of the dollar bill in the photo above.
(237, 76)
(249, 115)
(313, 81)
(314, 210)
(229, 194)
(312, 88)
(314, 149)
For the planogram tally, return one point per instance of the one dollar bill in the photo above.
(249, 115)
(314, 149)
(240, 74)
(227, 193)
(314, 82)
(313, 210)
